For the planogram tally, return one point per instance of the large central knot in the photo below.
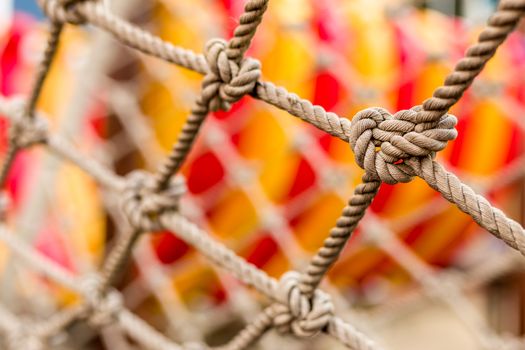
(143, 203)
(382, 142)
(227, 81)
(300, 314)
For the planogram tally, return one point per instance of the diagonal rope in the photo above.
(29, 111)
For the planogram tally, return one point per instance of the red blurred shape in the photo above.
(51, 245)
(16, 177)
(233, 9)
(10, 59)
(219, 294)
(325, 141)
(264, 249)
(4, 124)
(235, 108)
(96, 116)
(327, 90)
(326, 23)
(516, 145)
(204, 172)
(382, 198)
(405, 95)
(304, 179)
(169, 248)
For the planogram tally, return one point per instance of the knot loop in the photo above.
(63, 11)
(382, 141)
(25, 132)
(228, 80)
(300, 314)
(142, 203)
(103, 307)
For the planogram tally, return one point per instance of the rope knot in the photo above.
(228, 80)
(63, 11)
(382, 141)
(26, 132)
(142, 203)
(300, 314)
(103, 307)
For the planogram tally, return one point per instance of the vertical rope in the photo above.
(244, 32)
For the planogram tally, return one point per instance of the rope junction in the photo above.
(391, 148)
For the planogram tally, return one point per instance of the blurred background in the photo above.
(418, 273)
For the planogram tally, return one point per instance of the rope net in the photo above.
(391, 148)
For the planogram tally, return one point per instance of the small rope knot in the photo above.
(382, 141)
(63, 11)
(228, 80)
(103, 307)
(300, 314)
(26, 132)
(142, 203)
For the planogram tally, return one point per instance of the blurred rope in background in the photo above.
(139, 105)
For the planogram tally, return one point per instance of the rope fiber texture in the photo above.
(391, 148)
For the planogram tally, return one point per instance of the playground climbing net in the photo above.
(391, 148)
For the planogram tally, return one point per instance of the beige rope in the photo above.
(345, 225)
(500, 24)
(229, 78)
(244, 32)
(487, 216)
(391, 149)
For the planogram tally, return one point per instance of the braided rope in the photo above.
(391, 149)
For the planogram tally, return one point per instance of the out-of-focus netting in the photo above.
(390, 147)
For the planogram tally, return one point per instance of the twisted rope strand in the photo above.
(464, 197)
(353, 212)
(244, 32)
(252, 276)
(141, 40)
(499, 26)
(252, 332)
(219, 254)
(411, 137)
(44, 67)
(227, 67)
(117, 258)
